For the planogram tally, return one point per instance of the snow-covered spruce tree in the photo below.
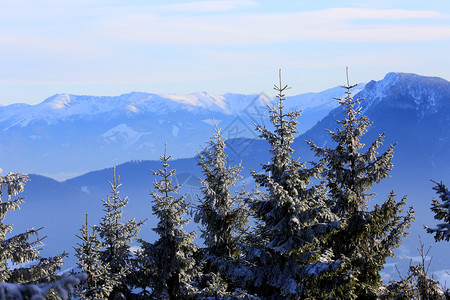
(170, 260)
(288, 256)
(98, 284)
(144, 269)
(61, 289)
(18, 249)
(116, 236)
(441, 210)
(224, 217)
(417, 285)
(365, 238)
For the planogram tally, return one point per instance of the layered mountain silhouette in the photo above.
(68, 135)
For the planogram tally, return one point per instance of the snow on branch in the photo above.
(63, 287)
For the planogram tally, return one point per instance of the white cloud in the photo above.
(65, 46)
(386, 14)
(339, 24)
(90, 29)
(205, 6)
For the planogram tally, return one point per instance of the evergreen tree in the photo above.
(292, 213)
(223, 215)
(98, 284)
(441, 210)
(61, 289)
(170, 259)
(116, 237)
(365, 238)
(144, 269)
(18, 249)
(417, 285)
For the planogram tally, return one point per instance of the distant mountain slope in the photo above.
(68, 134)
(413, 111)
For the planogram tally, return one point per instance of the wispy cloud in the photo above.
(382, 14)
(211, 23)
(36, 45)
(339, 24)
(205, 6)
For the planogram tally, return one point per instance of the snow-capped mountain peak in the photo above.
(58, 101)
(421, 93)
(63, 107)
(200, 99)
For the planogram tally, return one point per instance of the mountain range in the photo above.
(413, 111)
(68, 135)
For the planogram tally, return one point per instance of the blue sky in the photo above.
(111, 47)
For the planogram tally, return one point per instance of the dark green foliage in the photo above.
(116, 237)
(144, 269)
(294, 220)
(18, 249)
(105, 253)
(441, 210)
(98, 284)
(365, 238)
(417, 284)
(169, 262)
(224, 217)
(350, 174)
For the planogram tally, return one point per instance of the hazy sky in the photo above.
(111, 47)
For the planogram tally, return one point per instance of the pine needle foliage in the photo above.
(98, 284)
(365, 238)
(292, 213)
(441, 210)
(170, 260)
(116, 236)
(17, 251)
(418, 284)
(144, 269)
(350, 172)
(223, 215)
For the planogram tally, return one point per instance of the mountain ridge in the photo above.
(60, 106)
(435, 90)
(84, 133)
